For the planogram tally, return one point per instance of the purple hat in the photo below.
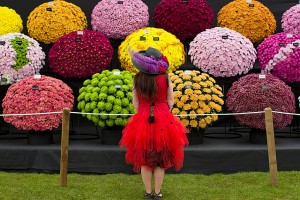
(151, 61)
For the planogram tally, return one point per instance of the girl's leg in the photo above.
(147, 178)
(158, 179)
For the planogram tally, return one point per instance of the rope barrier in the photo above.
(182, 115)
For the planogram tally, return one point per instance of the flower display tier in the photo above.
(185, 19)
(10, 21)
(253, 93)
(117, 19)
(37, 94)
(290, 22)
(280, 54)
(108, 92)
(20, 56)
(49, 21)
(253, 20)
(196, 93)
(158, 38)
(222, 52)
(80, 54)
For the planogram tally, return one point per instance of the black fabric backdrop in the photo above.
(23, 7)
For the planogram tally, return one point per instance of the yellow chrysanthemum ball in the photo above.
(10, 21)
(157, 38)
(49, 21)
(196, 93)
(253, 20)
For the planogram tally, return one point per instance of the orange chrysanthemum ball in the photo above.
(51, 20)
(250, 18)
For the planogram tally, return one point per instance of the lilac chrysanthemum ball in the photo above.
(252, 94)
(20, 56)
(290, 21)
(117, 19)
(222, 52)
(185, 19)
(280, 54)
(80, 54)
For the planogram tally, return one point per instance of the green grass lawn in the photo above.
(240, 186)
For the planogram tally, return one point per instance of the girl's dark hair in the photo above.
(145, 84)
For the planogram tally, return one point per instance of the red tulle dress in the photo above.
(155, 144)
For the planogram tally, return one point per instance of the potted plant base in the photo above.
(40, 137)
(195, 136)
(257, 136)
(111, 136)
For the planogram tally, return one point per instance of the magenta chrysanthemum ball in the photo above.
(290, 21)
(80, 54)
(117, 19)
(222, 52)
(20, 56)
(35, 94)
(280, 55)
(252, 93)
(183, 18)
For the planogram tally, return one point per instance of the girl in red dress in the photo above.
(154, 138)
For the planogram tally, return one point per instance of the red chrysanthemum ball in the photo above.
(183, 18)
(37, 94)
(80, 54)
(280, 55)
(252, 93)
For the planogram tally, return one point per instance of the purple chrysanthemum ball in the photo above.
(222, 52)
(290, 21)
(80, 54)
(117, 19)
(252, 93)
(183, 18)
(280, 54)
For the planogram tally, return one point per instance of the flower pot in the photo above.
(111, 136)
(257, 136)
(195, 136)
(40, 137)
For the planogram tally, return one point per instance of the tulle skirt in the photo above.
(154, 144)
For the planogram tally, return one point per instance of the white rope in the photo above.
(29, 114)
(182, 115)
(286, 113)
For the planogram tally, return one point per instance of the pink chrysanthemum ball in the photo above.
(183, 18)
(222, 52)
(250, 18)
(37, 94)
(252, 93)
(118, 18)
(290, 21)
(80, 54)
(49, 21)
(280, 55)
(20, 56)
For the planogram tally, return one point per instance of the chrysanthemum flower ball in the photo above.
(157, 38)
(254, 20)
(291, 20)
(222, 52)
(10, 21)
(279, 55)
(117, 19)
(80, 54)
(252, 93)
(185, 19)
(37, 95)
(49, 21)
(20, 56)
